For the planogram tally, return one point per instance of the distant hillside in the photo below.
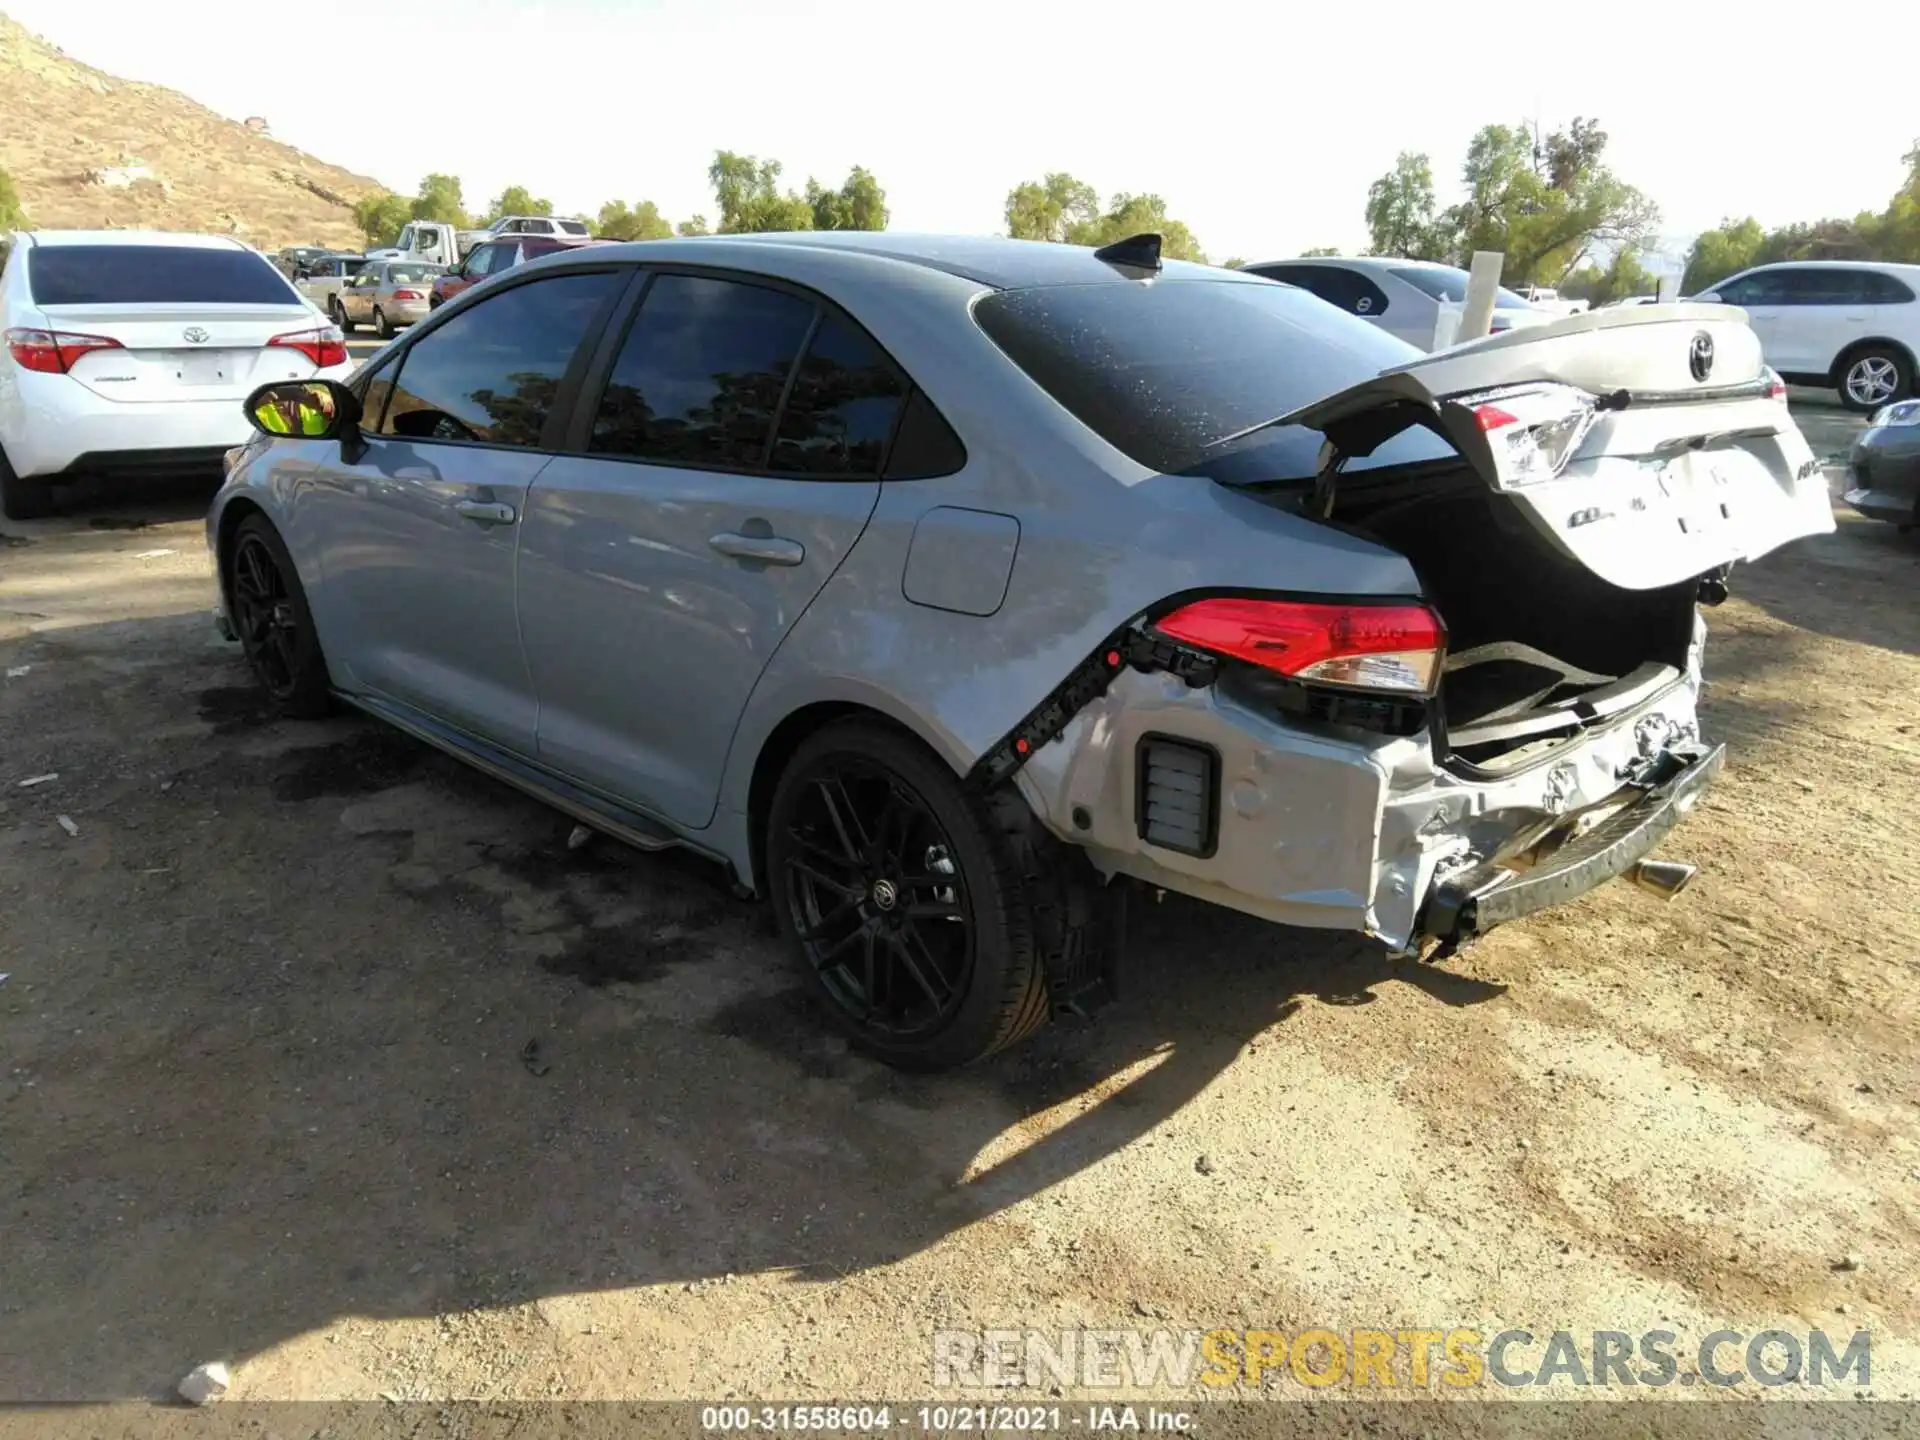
(117, 153)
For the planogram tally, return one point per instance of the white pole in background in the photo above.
(1483, 279)
(1669, 290)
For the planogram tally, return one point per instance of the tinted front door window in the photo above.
(490, 374)
(702, 373)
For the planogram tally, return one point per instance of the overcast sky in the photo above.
(1261, 123)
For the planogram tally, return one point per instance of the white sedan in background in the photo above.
(128, 354)
(1403, 297)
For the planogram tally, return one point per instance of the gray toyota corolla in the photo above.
(933, 585)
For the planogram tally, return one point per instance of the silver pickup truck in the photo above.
(321, 280)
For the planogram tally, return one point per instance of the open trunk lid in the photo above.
(1650, 444)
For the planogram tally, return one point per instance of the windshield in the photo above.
(153, 275)
(1164, 372)
(1445, 283)
(413, 274)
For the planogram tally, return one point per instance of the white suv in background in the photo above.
(1402, 297)
(1846, 325)
(128, 352)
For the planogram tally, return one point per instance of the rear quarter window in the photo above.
(1165, 372)
(153, 275)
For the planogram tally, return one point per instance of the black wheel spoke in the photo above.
(846, 821)
(934, 910)
(926, 976)
(825, 957)
(827, 918)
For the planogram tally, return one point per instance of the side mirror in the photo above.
(307, 409)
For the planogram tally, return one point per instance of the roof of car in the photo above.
(988, 259)
(1364, 262)
(1891, 265)
(134, 237)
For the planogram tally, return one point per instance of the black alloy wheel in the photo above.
(272, 622)
(876, 900)
(906, 899)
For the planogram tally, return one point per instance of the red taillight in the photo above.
(1776, 387)
(325, 347)
(1372, 647)
(53, 352)
(1492, 417)
(408, 295)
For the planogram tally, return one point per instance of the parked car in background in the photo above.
(1545, 297)
(430, 241)
(496, 257)
(1402, 297)
(1631, 300)
(1847, 325)
(1883, 472)
(128, 353)
(978, 572)
(388, 295)
(323, 277)
(296, 258)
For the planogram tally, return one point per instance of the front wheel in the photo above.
(1874, 377)
(272, 621)
(905, 900)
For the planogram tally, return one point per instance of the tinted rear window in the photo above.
(152, 274)
(1163, 372)
(574, 227)
(1443, 283)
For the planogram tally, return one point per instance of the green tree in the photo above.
(515, 200)
(750, 198)
(1320, 250)
(1900, 225)
(1233, 262)
(1624, 275)
(859, 203)
(1721, 252)
(643, 222)
(439, 199)
(1400, 212)
(696, 226)
(380, 215)
(1137, 215)
(1052, 208)
(12, 215)
(1547, 205)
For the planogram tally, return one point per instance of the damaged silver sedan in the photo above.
(933, 586)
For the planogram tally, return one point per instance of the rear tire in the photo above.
(23, 497)
(347, 327)
(381, 325)
(1873, 376)
(275, 628)
(909, 907)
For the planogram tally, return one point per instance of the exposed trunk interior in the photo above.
(1539, 647)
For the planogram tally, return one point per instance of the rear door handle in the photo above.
(768, 549)
(484, 512)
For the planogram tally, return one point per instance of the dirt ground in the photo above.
(263, 1096)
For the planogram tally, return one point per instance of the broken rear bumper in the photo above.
(1472, 901)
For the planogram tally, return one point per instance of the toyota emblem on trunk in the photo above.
(194, 335)
(1700, 356)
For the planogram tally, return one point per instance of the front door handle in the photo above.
(484, 512)
(768, 549)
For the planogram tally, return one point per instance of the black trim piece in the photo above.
(1631, 399)
(189, 460)
(1210, 793)
(1473, 901)
(1127, 648)
(622, 822)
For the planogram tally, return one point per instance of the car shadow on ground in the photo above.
(311, 1021)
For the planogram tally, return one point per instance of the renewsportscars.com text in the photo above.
(1398, 1359)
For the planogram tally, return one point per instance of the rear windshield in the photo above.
(152, 274)
(412, 274)
(1443, 283)
(1164, 372)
